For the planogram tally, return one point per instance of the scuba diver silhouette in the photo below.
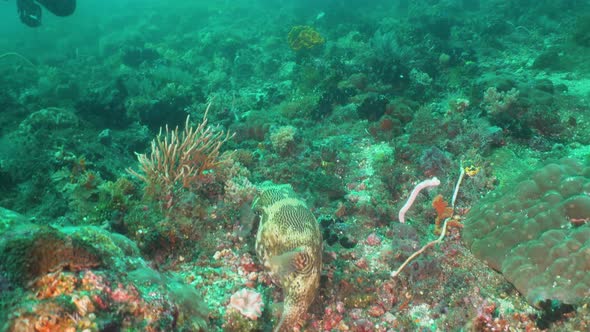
(30, 12)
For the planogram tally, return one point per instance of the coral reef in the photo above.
(352, 104)
(78, 278)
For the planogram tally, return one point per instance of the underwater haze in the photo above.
(283, 165)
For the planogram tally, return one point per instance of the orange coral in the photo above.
(304, 37)
(55, 284)
(443, 211)
(46, 323)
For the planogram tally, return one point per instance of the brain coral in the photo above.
(537, 233)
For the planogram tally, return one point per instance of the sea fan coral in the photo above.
(247, 302)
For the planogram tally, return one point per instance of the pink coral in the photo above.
(247, 302)
(373, 240)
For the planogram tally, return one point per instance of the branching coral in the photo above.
(181, 158)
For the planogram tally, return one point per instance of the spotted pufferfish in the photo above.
(289, 244)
